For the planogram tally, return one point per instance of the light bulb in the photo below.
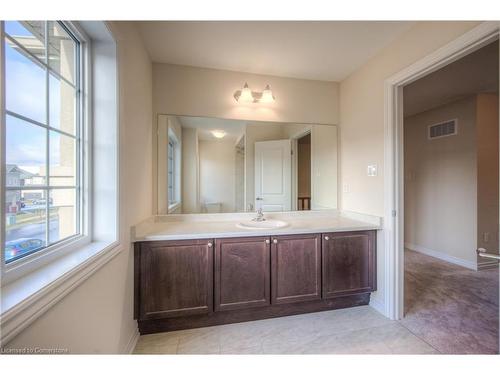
(246, 95)
(218, 133)
(267, 95)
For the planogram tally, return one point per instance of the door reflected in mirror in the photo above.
(210, 165)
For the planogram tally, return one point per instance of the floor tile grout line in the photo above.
(420, 338)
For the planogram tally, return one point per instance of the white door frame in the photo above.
(295, 151)
(474, 39)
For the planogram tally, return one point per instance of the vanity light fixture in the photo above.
(245, 95)
(218, 133)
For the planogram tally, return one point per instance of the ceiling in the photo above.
(472, 74)
(318, 50)
(233, 128)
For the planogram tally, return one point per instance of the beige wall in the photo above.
(324, 155)
(190, 171)
(362, 111)
(183, 90)
(97, 317)
(441, 183)
(217, 173)
(487, 172)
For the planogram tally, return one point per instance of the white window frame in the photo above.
(172, 206)
(20, 267)
(171, 173)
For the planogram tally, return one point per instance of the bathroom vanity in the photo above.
(201, 270)
(208, 258)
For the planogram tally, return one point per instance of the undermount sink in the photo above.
(265, 224)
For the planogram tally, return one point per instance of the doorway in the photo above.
(414, 172)
(304, 173)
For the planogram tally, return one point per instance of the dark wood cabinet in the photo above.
(176, 278)
(348, 263)
(242, 273)
(296, 268)
(197, 283)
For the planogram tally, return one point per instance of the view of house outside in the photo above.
(41, 136)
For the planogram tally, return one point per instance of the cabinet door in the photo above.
(176, 278)
(296, 268)
(242, 273)
(348, 263)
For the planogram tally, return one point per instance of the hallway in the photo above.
(452, 308)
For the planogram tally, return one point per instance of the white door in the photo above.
(273, 175)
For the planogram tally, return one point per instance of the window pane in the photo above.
(24, 86)
(170, 195)
(29, 34)
(25, 226)
(62, 108)
(25, 153)
(62, 160)
(62, 214)
(62, 51)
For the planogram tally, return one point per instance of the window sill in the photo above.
(25, 299)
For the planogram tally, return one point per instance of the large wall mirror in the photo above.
(210, 165)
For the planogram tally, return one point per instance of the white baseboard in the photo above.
(439, 255)
(132, 342)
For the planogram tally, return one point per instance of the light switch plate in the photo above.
(372, 170)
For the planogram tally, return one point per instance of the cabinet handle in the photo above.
(327, 238)
(275, 241)
(267, 241)
(209, 244)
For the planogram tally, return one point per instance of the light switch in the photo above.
(345, 188)
(372, 170)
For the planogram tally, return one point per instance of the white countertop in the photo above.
(200, 226)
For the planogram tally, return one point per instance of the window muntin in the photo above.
(43, 147)
(171, 171)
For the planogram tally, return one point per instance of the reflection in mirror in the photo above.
(210, 165)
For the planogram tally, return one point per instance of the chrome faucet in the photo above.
(260, 216)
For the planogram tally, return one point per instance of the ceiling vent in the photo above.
(443, 129)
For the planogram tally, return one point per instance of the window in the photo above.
(171, 171)
(43, 155)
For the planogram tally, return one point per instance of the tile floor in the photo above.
(357, 330)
